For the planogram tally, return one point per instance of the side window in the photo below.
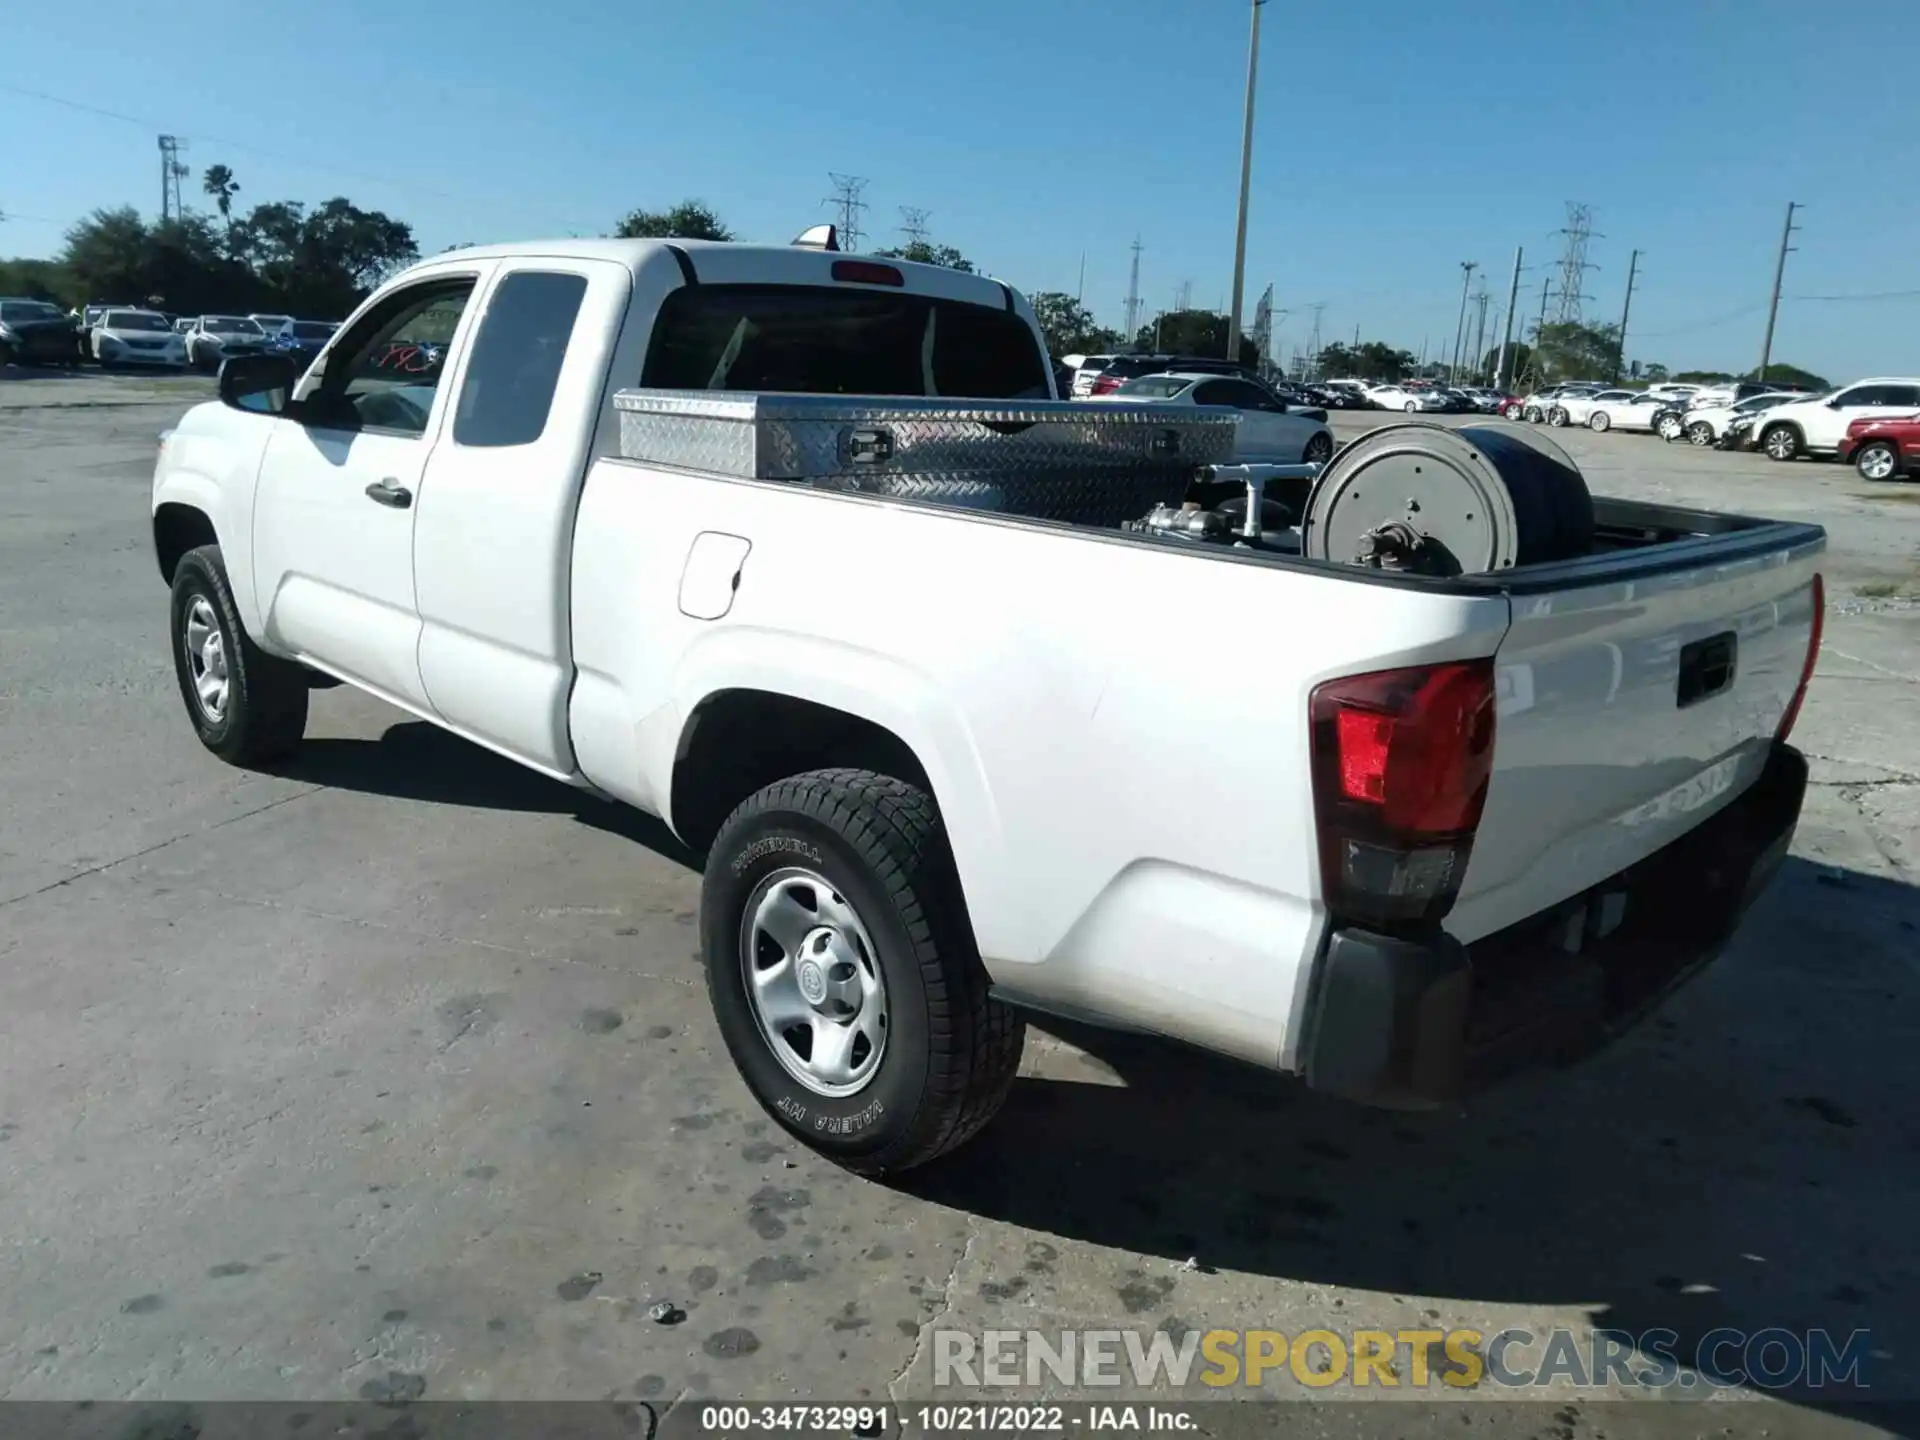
(1903, 396)
(1213, 392)
(516, 358)
(384, 373)
(1860, 395)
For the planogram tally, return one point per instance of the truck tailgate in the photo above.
(1630, 709)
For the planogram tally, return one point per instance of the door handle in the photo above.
(388, 492)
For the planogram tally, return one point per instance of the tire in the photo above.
(1670, 428)
(262, 711)
(1700, 433)
(1781, 442)
(1531, 414)
(1558, 417)
(1599, 422)
(7, 357)
(1319, 449)
(870, 855)
(1877, 460)
(1514, 412)
(1410, 407)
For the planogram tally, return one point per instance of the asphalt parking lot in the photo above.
(392, 1075)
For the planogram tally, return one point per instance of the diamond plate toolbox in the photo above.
(1083, 463)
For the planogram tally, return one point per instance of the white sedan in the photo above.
(1270, 430)
(1399, 397)
(1707, 424)
(1613, 410)
(137, 337)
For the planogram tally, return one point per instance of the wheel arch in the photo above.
(179, 526)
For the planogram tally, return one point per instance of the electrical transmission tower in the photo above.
(1578, 231)
(846, 199)
(1313, 337)
(172, 172)
(1183, 295)
(913, 224)
(1133, 296)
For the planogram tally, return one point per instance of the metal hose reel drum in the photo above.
(1426, 499)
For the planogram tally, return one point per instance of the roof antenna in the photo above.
(818, 237)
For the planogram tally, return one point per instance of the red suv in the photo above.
(1882, 449)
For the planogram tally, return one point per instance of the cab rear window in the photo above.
(828, 341)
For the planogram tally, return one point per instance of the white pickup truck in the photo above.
(1399, 834)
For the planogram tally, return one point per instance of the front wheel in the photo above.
(1410, 407)
(1514, 412)
(1599, 422)
(246, 706)
(1700, 433)
(1558, 417)
(1319, 449)
(1780, 443)
(1670, 427)
(1531, 414)
(1876, 461)
(842, 971)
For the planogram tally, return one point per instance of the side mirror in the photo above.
(259, 384)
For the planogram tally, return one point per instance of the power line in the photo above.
(317, 167)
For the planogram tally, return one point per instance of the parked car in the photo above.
(1405, 397)
(271, 325)
(182, 324)
(137, 337)
(1385, 892)
(1270, 429)
(1539, 405)
(1086, 369)
(1617, 410)
(304, 339)
(1122, 368)
(214, 337)
(1882, 449)
(34, 332)
(1575, 406)
(1348, 394)
(1817, 426)
(1732, 391)
(1707, 425)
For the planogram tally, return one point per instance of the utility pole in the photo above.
(1506, 335)
(1467, 267)
(1626, 309)
(1246, 182)
(1133, 301)
(1480, 299)
(1080, 290)
(1779, 274)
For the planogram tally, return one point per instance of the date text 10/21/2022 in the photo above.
(871, 1421)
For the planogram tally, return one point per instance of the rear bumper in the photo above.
(1413, 1024)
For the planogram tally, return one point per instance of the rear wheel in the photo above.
(1558, 416)
(1599, 422)
(246, 706)
(843, 974)
(1700, 433)
(1531, 413)
(1781, 442)
(1876, 461)
(1671, 427)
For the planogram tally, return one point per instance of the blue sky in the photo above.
(1393, 141)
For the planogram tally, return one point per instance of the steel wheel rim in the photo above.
(206, 650)
(811, 970)
(1876, 462)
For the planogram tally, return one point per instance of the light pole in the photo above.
(1246, 182)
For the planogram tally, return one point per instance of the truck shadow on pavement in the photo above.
(415, 760)
(1748, 1158)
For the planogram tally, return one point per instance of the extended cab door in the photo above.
(495, 540)
(334, 513)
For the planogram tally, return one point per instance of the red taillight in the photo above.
(1104, 384)
(1813, 655)
(1401, 764)
(867, 272)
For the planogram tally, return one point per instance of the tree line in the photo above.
(284, 257)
